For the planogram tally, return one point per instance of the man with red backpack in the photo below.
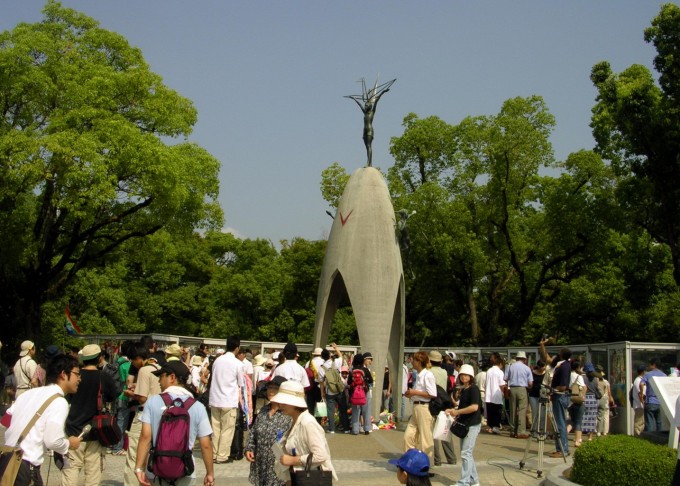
(171, 422)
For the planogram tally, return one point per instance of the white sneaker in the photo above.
(332, 432)
(496, 430)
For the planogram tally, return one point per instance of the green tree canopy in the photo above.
(93, 152)
(636, 124)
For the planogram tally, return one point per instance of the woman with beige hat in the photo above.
(306, 436)
(468, 413)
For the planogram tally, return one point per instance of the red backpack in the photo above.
(170, 458)
(358, 390)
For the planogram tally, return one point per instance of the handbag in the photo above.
(311, 477)
(459, 429)
(442, 426)
(578, 394)
(321, 410)
(105, 425)
(10, 456)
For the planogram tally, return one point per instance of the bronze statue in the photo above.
(370, 100)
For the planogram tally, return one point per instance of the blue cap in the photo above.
(589, 368)
(414, 462)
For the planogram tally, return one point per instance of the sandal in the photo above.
(119, 453)
(577, 443)
(488, 430)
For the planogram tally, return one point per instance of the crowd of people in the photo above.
(274, 412)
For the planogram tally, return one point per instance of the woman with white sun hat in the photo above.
(306, 436)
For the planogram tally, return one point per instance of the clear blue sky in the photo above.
(268, 79)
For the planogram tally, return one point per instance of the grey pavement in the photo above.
(362, 460)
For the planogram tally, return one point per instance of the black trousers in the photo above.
(29, 475)
(493, 414)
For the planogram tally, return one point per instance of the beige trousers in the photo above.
(129, 476)
(418, 432)
(223, 421)
(88, 458)
(639, 421)
(519, 400)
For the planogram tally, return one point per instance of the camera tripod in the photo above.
(540, 429)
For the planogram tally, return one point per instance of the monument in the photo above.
(363, 261)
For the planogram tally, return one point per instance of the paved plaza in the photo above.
(362, 460)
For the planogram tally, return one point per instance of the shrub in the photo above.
(618, 460)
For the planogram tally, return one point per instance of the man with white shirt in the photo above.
(62, 378)
(495, 383)
(291, 369)
(418, 433)
(172, 377)
(228, 378)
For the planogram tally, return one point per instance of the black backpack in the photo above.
(113, 370)
(442, 402)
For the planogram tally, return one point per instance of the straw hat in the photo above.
(259, 360)
(435, 356)
(521, 355)
(197, 361)
(173, 350)
(291, 393)
(317, 352)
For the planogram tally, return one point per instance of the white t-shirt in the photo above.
(577, 378)
(636, 393)
(291, 370)
(494, 382)
(228, 376)
(48, 431)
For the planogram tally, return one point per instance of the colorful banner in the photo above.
(70, 325)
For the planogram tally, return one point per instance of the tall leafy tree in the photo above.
(636, 123)
(93, 153)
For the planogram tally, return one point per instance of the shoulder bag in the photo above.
(10, 456)
(105, 425)
(578, 393)
(311, 477)
(459, 429)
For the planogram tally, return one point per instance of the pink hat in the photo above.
(344, 369)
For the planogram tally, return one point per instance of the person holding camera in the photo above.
(560, 398)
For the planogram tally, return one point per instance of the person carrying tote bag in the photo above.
(469, 414)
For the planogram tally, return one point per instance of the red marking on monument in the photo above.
(344, 220)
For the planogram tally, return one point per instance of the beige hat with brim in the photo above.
(259, 360)
(197, 361)
(91, 351)
(26, 346)
(467, 369)
(291, 393)
(521, 355)
(173, 350)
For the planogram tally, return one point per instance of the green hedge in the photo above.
(618, 460)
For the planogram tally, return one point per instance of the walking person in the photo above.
(268, 428)
(62, 376)
(172, 377)
(306, 437)
(468, 413)
(418, 433)
(95, 389)
(226, 384)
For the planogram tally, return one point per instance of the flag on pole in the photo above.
(70, 325)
